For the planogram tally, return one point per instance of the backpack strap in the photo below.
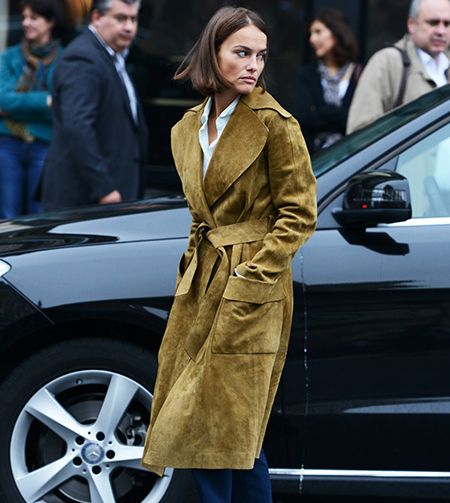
(406, 64)
(357, 72)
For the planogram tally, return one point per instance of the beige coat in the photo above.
(226, 339)
(379, 84)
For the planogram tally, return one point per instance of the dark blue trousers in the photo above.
(235, 486)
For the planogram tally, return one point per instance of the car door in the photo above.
(377, 341)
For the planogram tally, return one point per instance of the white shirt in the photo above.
(221, 122)
(343, 86)
(435, 67)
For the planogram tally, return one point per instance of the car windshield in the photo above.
(326, 159)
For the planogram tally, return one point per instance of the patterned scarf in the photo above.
(37, 59)
(330, 84)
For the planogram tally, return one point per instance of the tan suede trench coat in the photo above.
(226, 339)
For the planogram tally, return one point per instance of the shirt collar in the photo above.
(442, 60)
(224, 115)
(206, 111)
(108, 49)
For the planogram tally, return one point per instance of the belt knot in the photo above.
(220, 237)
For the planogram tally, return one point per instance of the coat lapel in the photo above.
(240, 144)
(188, 157)
(114, 74)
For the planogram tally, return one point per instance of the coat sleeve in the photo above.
(293, 194)
(77, 101)
(23, 104)
(377, 89)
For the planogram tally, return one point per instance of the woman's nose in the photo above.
(252, 65)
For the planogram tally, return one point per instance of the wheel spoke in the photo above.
(100, 489)
(119, 395)
(36, 484)
(128, 457)
(44, 407)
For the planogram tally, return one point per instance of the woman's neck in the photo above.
(222, 101)
(41, 41)
(332, 67)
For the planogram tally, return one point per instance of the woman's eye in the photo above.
(242, 54)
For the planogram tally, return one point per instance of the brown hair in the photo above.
(200, 66)
(51, 10)
(346, 48)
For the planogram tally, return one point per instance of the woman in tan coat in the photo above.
(247, 178)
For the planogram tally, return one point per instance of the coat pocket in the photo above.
(250, 317)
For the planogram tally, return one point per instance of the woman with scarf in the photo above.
(25, 101)
(325, 89)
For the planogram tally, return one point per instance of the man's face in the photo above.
(118, 26)
(431, 30)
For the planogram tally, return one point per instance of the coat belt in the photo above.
(219, 237)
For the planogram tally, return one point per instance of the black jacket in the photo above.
(310, 109)
(96, 146)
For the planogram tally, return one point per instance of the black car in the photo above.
(364, 403)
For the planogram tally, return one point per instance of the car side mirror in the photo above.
(375, 197)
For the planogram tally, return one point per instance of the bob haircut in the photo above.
(200, 66)
(51, 10)
(345, 49)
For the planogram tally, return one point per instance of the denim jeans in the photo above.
(235, 486)
(21, 166)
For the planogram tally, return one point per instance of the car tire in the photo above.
(73, 421)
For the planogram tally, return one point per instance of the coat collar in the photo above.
(408, 45)
(187, 154)
(239, 146)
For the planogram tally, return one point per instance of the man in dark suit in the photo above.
(99, 135)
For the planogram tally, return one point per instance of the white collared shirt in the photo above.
(119, 63)
(435, 67)
(221, 122)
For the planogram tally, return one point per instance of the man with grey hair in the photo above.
(415, 65)
(99, 141)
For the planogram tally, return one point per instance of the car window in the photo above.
(426, 165)
(327, 159)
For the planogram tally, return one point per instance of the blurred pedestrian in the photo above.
(415, 65)
(99, 142)
(324, 90)
(26, 72)
(247, 178)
